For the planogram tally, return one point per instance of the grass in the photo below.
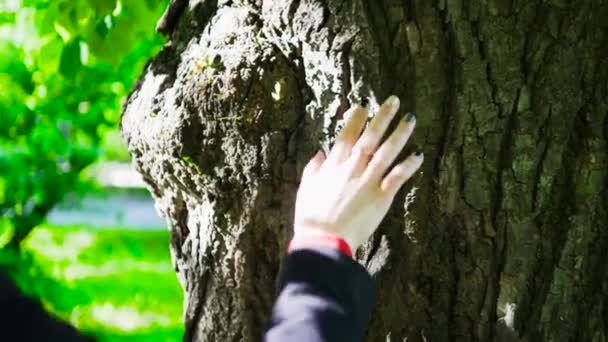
(114, 284)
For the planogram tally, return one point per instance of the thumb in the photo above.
(314, 164)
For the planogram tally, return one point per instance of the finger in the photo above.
(389, 150)
(356, 117)
(314, 164)
(400, 174)
(357, 162)
(375, 130)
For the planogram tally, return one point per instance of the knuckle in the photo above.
(402, 171)
(368, 150)
(382, 160)
(365, 150)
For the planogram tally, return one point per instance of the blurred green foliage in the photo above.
(65, 68)
(115, 284)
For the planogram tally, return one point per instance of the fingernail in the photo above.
(393, 101)
(411, 117)
(418, 154)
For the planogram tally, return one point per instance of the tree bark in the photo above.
(502, 236)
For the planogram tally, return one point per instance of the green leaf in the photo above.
(2, 191)
(50, 55)
(66, 21)
(7, 18)
(44, 19)
(82, 156)
(188, 160)
(103, 7)
(102, 28)
(70, 59)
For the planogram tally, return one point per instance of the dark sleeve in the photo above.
(324, 296)
(23, 319)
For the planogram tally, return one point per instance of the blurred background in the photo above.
(78, 229)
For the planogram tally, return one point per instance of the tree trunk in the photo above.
(502, 236)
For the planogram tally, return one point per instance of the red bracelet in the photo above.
(320, 239)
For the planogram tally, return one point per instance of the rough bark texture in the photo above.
(504, 234)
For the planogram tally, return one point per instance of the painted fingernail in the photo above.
(393, 101)
(418, 154)
(411, 117)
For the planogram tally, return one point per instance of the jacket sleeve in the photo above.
(324, 296)
(24, 319)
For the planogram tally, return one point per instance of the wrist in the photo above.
(315, 238)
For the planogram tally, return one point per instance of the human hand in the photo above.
(346, 194)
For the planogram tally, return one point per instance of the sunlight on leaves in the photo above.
(125, 318)
(46, 243)
(81, 271)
